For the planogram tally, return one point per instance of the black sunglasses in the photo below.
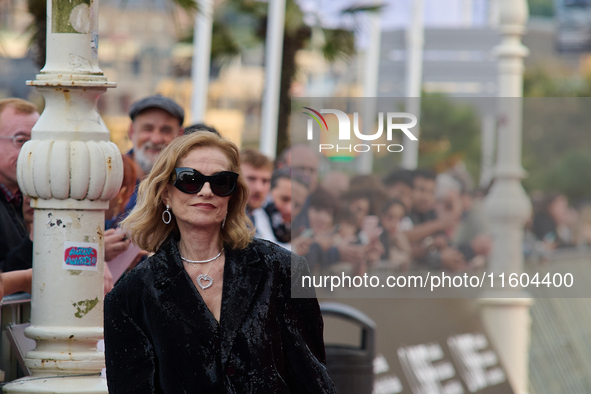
(191, 181)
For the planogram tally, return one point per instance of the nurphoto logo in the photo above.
(344, 130)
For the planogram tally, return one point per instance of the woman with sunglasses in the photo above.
(212, 310)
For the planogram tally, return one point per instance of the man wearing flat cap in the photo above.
(155, 122)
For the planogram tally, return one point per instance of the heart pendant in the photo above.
(204, 278)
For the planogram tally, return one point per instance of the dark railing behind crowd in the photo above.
(15, 309)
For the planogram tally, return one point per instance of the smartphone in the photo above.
(307, 233)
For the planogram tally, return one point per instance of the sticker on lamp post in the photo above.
(80, 256)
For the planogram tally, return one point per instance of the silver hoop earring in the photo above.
(167, 212)
(224, 221)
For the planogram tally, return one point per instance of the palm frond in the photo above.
(360, 9)
(38, 9)
(294, 17)
(338, 44)
(223, 45)
(187, 5)
(249, 7)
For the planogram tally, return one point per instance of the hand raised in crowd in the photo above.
(452, 260)
(481, 244)
(325, 240)
(375, 250)
(115, 243)
(450, 209)
(440, 241)
(352, 253)
(477, 262)
(301, 245)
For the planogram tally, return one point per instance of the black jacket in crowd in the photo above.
(16, 249)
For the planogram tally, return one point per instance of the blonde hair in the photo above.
(144, 224)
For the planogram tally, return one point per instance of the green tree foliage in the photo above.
(556, 124)
(38, 9)
(556, 145)
(541, 7)
(537, 82)
(450, 132)
(570, 175)
(541, 82)
(224, 47)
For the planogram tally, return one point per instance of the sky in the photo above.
(396, 15)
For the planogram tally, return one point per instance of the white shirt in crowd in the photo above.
(262, 224)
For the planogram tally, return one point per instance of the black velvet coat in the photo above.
(161, 338)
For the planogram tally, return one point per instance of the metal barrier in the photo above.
(14, 309)
(351, 368)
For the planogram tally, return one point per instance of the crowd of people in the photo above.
(407, 220)
(404, 221)
(188, 193)
(556, 225)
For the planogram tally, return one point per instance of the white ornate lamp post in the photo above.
(70, 170)
(507, 319)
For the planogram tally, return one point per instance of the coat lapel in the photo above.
(180, 299)
(243, 274)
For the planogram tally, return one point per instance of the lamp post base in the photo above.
(58, 385)
(508, 324)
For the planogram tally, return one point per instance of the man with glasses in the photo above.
(17, 118)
